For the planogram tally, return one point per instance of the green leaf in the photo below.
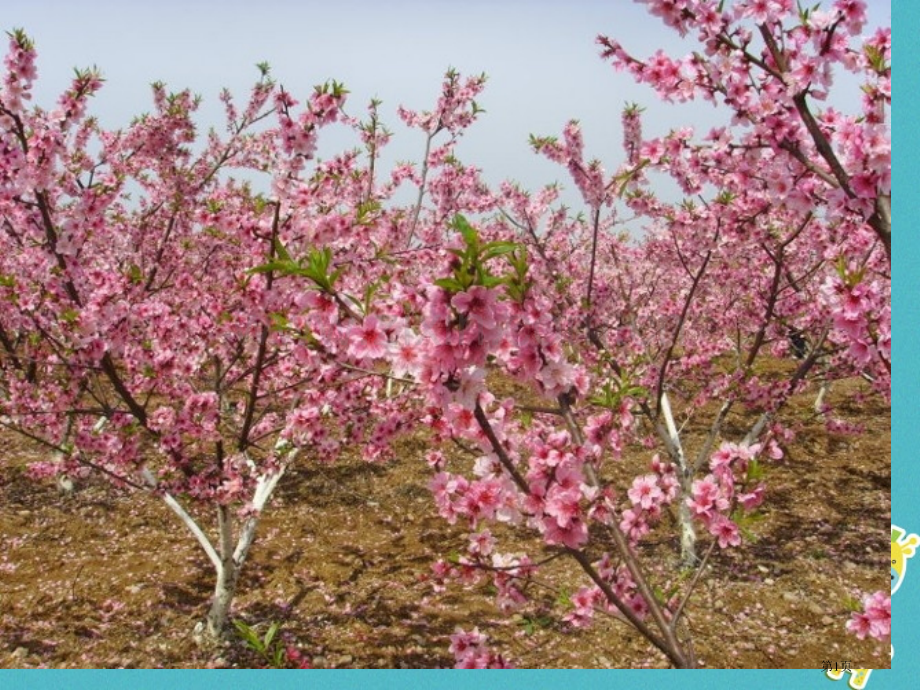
(278, 320)
(493, 249)
(211, 231)
(278, 659)
(355, 301)
(748, 534)
(634, 392)
(316, 268)
(745, 521)
(270, 635)
(281, 251)
(249, 636)
(21, 38)
(283, 267)
(366, 209)
(851, 604)
(461, 225)
(450, 284)
(369, 293)
(540, 142)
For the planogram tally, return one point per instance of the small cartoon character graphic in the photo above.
(902, 548)
(858, 677)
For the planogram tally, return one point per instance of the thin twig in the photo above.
(696, 578)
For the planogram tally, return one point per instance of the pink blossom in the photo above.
(470, 649)
(482, 543)
(875, 620)
(583, 602)
(706, 499)
(406, 354)
(645, 491)
(634, 524)
(479, 304)
(367, 340)
(725, 531)
(574, 534)
(563, 506)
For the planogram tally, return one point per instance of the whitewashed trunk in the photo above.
(224, 591)
(227, 559)
(671, 436)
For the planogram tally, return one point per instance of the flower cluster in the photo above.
(471, 650)
(874, 620)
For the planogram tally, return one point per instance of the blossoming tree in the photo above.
(145, 334)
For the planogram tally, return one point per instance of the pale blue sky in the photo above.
(540, 56)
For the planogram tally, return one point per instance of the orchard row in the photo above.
(164, 325)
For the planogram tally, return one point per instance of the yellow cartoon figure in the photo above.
(902, 548)
(858, 678)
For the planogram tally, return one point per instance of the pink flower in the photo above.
(556, 377)
(435, 459)
(853, 13)
(721, 460)
(296, 657)
(574, 535)
(479, 304)
(407, 354)
(472, 383)
(482, 543)
(563, 507)
(670, 486)
(875, 621)
(471, 650)
(706, 499)
(583, 602)
(753, 499)
(639, 606)
(859, 625)
(367, 340)
(725, 531)
(633, 524)
(645, 492)
(482, 499)
(878, 609)
(598, 427)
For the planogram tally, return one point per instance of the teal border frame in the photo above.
(905, 509)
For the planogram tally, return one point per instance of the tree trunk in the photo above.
(224, 591)
(671, 436)
(228, 573)
(228, 558)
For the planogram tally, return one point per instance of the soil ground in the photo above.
(103, 578)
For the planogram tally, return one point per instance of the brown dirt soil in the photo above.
(102, 578)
